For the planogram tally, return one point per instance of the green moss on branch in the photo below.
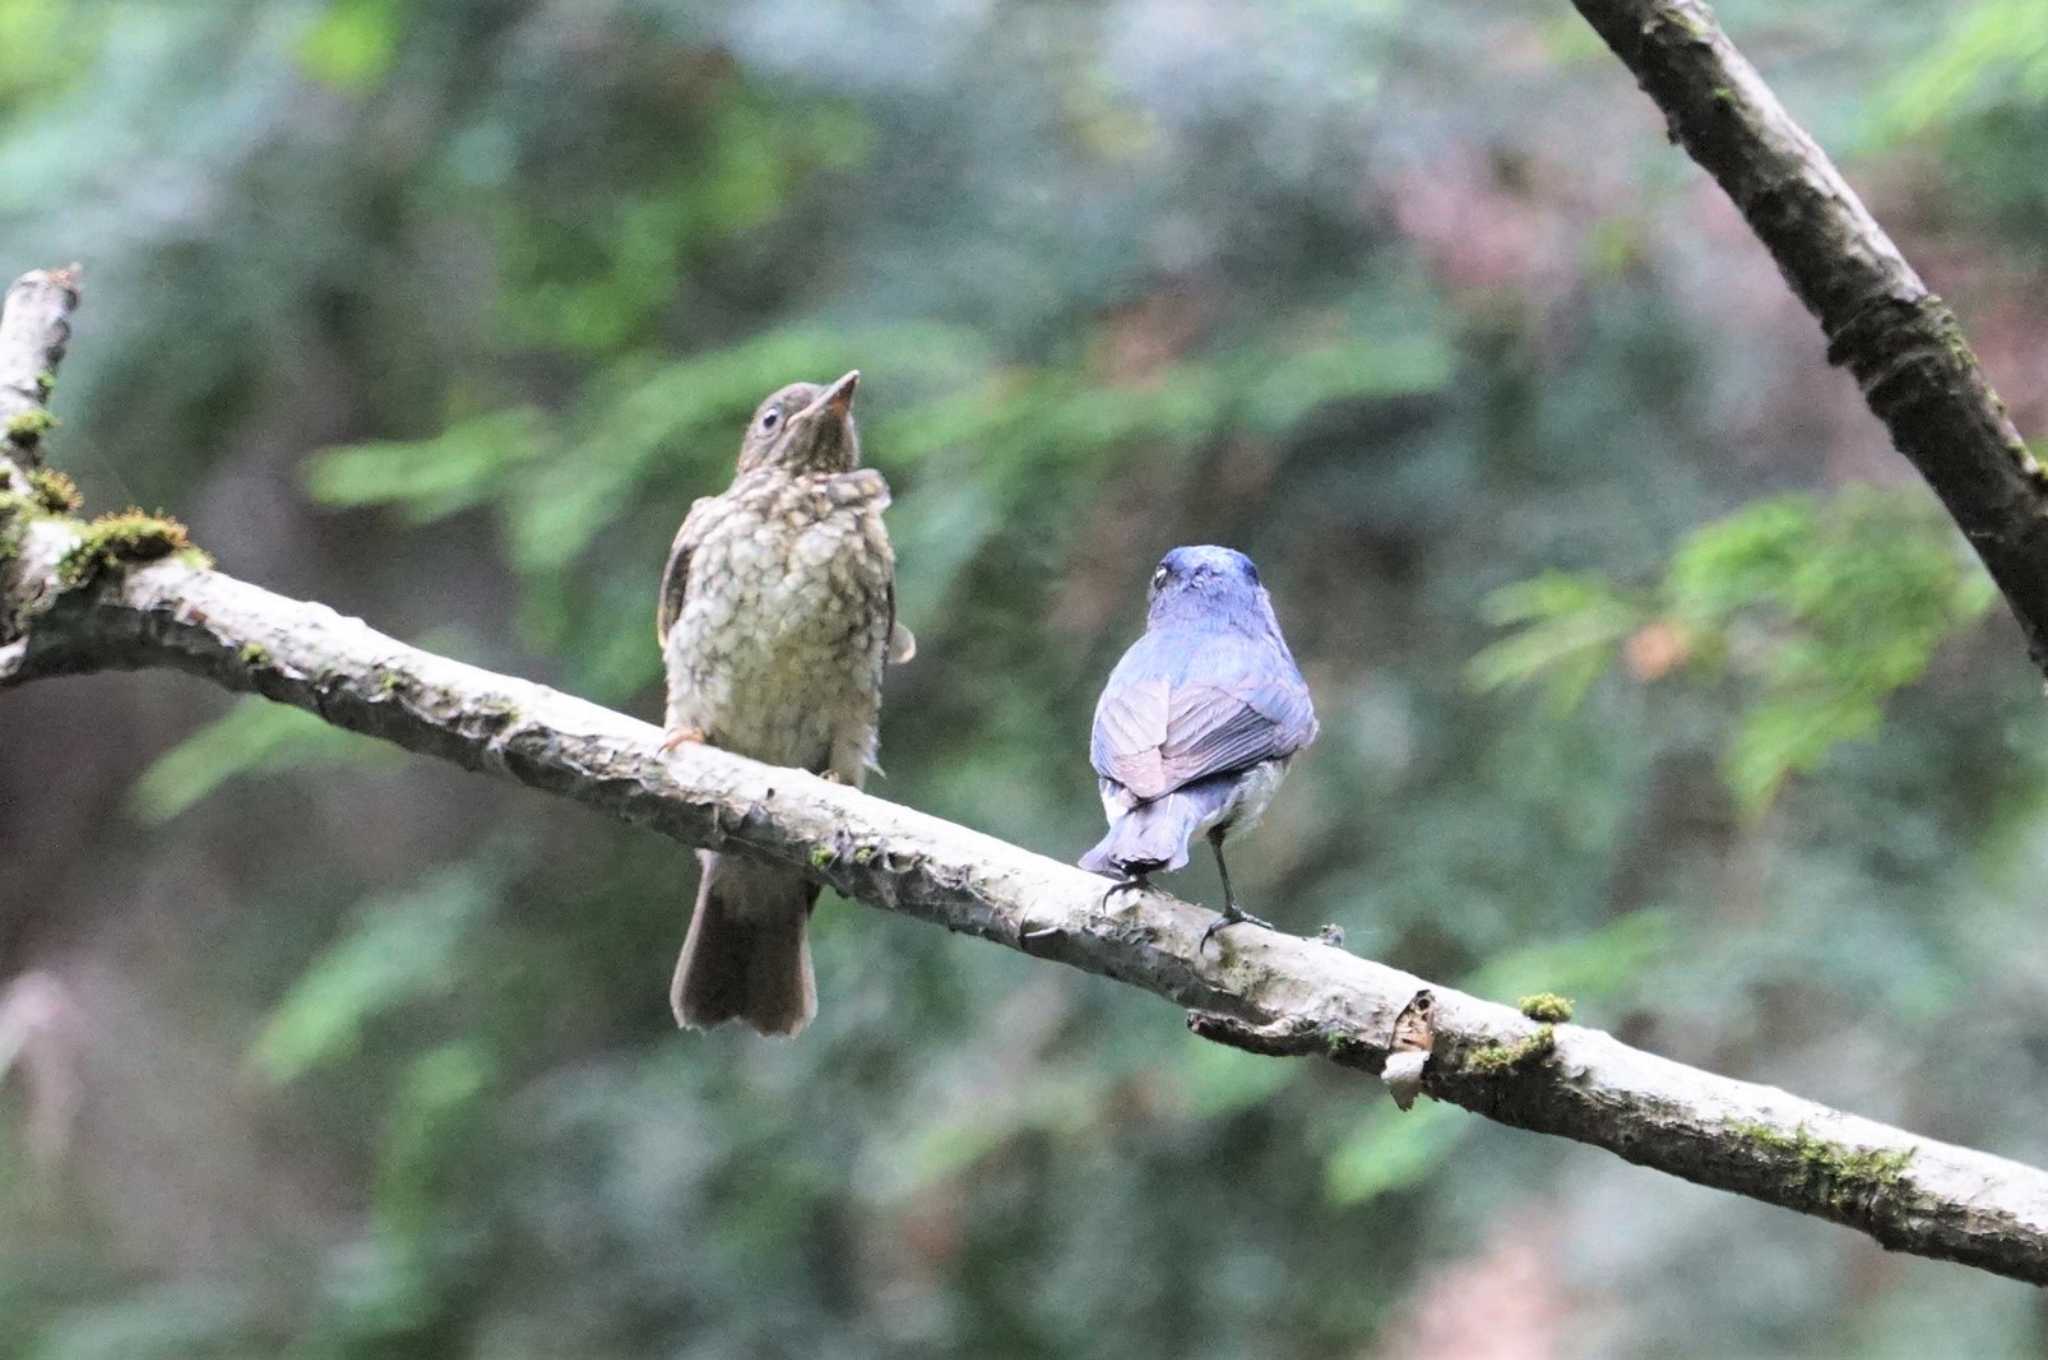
(27, 429)
(1548, 1007)
(1839, 1175)
(1497, 1060)
(118, 539)
(15, 512)
(54, 491)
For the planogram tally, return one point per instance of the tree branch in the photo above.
(1902, 342)
(34, 327)
(1255, 990)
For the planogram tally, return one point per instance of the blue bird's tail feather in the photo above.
(1153, 837)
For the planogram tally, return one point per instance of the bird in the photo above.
(1197, 724)
(776, 614)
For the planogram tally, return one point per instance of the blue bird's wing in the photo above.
(1181, 707)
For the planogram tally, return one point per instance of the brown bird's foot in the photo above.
(830, 776)
(1233, 915)
(682, 736)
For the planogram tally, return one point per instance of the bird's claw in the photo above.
(1135, 883)
(682, 736)
(1232, 916)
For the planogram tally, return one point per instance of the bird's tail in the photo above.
(747, 956)
(1153, 837)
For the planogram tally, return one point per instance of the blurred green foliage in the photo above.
(1994, 55)
(252, 737)
(1823, 607)
(399, 950)
(444, 313)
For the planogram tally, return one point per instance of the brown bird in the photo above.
(778, 608)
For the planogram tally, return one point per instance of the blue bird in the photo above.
(1198, 722)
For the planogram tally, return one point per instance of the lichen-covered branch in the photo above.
(1900, 340)
(34, 327)
(1268, 993)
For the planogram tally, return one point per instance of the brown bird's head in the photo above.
(804, 428)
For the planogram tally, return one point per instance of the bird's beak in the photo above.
(838, 398)
(836, 401)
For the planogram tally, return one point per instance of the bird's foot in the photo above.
(830, 777)
(682, 736)
(1232, 915)
(1135, 883)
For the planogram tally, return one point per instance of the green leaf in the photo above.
(354, 43)
(1782, 736)
(45, 44)
(439, 1090)
(635, 417)
(467, 463)
(1823, 606)
(1572, 625)
(399, 949)
(1391, 1151)
(189, 1320)
(1739, 561)
(1991, 42)
(692, 411)
(1219, 1081)
(1589, 966)
(1554, 594)
(255, 736)
(1290, 385)
(950, 1140)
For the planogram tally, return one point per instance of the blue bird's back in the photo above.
(1199, 719)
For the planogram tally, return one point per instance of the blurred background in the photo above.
(1648, 673)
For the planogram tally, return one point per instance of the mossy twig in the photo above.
(125, 536)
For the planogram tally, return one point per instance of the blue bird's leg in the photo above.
(1232, 914)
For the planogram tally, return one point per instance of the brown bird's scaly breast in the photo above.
(778, 651)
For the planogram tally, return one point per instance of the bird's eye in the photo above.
(770, 419)
(1159, 578)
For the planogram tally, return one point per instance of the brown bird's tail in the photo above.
(747, 956)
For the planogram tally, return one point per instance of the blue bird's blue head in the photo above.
(1207, 584)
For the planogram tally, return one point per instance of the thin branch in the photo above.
(1902, 342)
(1253, 989)
(34, 328)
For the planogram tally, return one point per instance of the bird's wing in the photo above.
(902, 646)
(1180, 708)
(675, 576)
